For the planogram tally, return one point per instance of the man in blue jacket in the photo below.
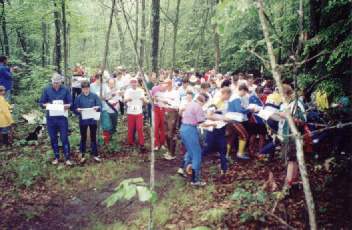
(5, 77)
(87, 100)
(57, 122)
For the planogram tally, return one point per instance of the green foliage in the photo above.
(201, 228)
(128, 189)
(214, 215)
(26, 171)
(250, 203)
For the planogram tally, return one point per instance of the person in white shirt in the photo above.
(171, 102)
(134, 98)
(112, 96)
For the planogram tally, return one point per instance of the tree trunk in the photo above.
(44, 43)
(106, 49)
(121, 40)
(155, 35)
(137, 27)
(314, 17)
(4, 29)
(23, 42)
(64, 30)
(175, 30)
(142, 38)
(216, 44)
(58, 55)
(162, 48)
(202, 34)
(298, 138)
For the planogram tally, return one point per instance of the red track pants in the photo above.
(159, 132)
(135, 123)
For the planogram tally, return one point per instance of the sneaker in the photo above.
(55, 162)
(199, 183)
(167, 156)
(68, 163)
(163, 147)
(243, 156)
(181, 172)
(97, 159)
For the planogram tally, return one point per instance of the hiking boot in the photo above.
(97, 159)
(55, 162)
(167, 156)
(199, 183)
(68, 163)
(181, 172)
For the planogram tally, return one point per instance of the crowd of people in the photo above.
(235, 115)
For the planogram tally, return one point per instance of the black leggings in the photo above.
(93, 138)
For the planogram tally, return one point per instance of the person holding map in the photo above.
(57, 99)
(87, 104)
(134, 98)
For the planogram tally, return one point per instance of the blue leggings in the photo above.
(58, 125)
(190, 139)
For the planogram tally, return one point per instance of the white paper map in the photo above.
(90, 113)
(57, 109)
(267, 114)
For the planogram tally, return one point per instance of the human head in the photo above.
(56, 80)
(287, 90)
(235, 79)
(242, 90)
(250, 79)
(189, 95)
(168, 84)
(111, 83)
(2, 90)
(225, 93)
(202, 98)
(134, 83)
(85, 87)
(3, 59)
(205, 86)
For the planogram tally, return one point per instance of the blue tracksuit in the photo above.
(190, 138)
(58, 124)
(89, 101)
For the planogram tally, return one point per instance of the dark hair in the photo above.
(225, 83)
(206, 97)
(3, 58)
(85, 84)
(185, 80)
(243, 87)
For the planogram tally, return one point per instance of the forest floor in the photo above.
(37, 195)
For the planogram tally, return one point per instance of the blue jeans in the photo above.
(190, 139)
(215, 141)
(59, 125)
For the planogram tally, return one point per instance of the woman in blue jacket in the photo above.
(86, 100)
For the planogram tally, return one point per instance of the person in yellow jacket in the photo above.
(5, 117)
